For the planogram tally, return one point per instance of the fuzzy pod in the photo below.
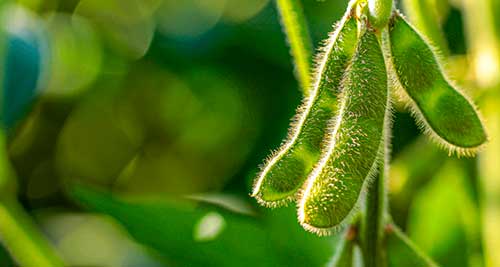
(285, 172)
(402, 252)
(333, 187)
(444, 113)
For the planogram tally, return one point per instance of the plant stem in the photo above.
(374, 218)
(18, 233)
(296, 30)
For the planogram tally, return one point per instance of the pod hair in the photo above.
(442, 111)
(333, 188)
(285, 171)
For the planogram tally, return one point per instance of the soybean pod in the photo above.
(285, 172)
(333, 187)
(443, 112)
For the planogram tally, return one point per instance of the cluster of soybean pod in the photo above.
(341, 132)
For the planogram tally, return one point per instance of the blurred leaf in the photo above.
(101, 240)
(127, 25)
(237, 11)
(442, 218)
(411, 170)
(157, 132)
(229, 202)
(8, 184)
(344, 254)
(5, 259)
(75, 54)
(295, 246)
(242, 241)
(401, 252)
(20, 64)
(490, 182)
(189, 18)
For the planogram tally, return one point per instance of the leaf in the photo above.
(169, 228)
(443, 219)
(410, 171)
(402, 252)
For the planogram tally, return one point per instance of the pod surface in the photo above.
(333, 188)
(445, 111)
(287, 169)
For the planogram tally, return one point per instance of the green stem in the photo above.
(374, 219)
(296, 30)
(18, 233)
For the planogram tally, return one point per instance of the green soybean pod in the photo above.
(333, 187)
(402, 252)
(442, 111)
(285, 172)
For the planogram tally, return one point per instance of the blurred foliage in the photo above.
(5, 258)
(130, 122)
(173, 229)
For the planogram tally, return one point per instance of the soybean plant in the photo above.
(339, 142)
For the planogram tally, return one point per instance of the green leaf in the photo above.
(174, 228)
(402, 252)
(344, 252)
(443, 219)
(410, 171)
